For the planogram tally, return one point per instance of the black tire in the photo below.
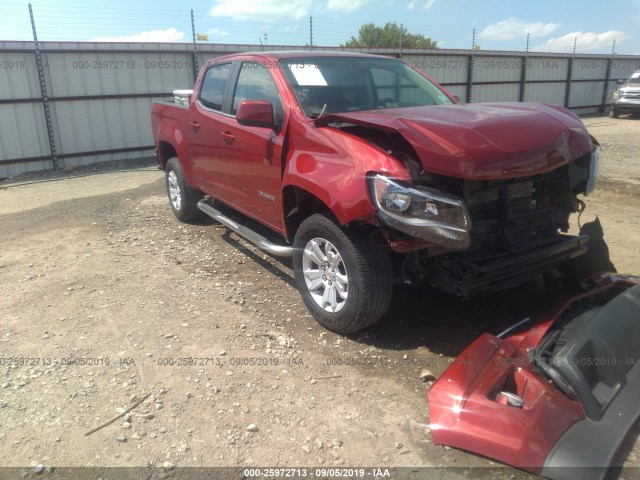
(613, 112)
(366, 267)
(182, 198)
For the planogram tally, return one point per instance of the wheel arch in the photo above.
(166, 151)
(298, 204)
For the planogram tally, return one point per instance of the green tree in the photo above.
(391, 35)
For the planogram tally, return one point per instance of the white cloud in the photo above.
(217, 32)
(262, 10)
(346, 5)
(428, 4)
(513, 28)
(169, 35)
(586, 42)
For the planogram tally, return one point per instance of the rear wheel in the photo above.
(182, 198)
(344, 279)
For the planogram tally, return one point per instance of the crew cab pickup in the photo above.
(371, 173)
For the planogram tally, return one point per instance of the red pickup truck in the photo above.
(371, 173)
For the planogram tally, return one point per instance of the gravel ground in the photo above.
(110, 299)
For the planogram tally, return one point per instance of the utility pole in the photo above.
(311, 32)
(43, 91)
(400, 55)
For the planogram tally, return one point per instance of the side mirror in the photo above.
(620, 81)
(256, 113)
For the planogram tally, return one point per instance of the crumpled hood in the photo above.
(482, 140)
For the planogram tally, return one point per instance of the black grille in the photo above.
(512, 218)
(521, 193)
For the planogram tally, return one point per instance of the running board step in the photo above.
(246, 233)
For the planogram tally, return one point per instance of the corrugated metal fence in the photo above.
(100, 95)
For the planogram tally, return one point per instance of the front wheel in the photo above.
(182, 198)
(343, 278)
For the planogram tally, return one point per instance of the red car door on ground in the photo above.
(252, 155)
(205, 127)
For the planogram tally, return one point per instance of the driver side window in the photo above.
(255, 83)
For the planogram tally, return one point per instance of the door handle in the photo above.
(228, 137)
(194, 125)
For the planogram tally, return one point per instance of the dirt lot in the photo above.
(108, 296)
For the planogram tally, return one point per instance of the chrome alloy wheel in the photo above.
(325, 274)
(174, 190)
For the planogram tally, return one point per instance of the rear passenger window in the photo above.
(214, 85)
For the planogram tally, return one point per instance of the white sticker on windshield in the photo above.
(308, 75)
(635, 75)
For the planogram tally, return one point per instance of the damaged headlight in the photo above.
(594, 170)
(422, 212)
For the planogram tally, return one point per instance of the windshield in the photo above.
(345, 84)
(635, 79)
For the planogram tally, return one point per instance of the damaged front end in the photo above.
(484, 211)
(485, 235)
(518, 230)
(556, 400)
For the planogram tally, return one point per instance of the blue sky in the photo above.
(499, 24)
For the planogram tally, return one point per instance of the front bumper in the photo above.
(549, 433)
(467, 277)
(627, 105)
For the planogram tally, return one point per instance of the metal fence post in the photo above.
(607, 79)
(523, 75)
(43, 92)
(470, 62)
(195, 48)
(567, 92)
